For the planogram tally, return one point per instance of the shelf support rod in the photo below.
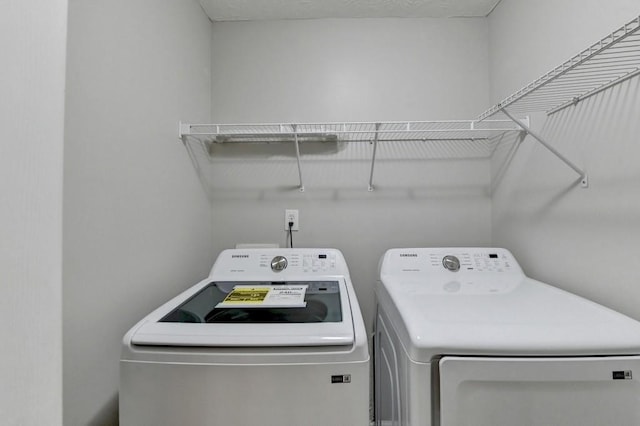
(373, 157)
(583, 175)
(184, 130)
(297, 144)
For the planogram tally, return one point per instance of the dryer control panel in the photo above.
(449, 260)
(491, 261)
(451, 271)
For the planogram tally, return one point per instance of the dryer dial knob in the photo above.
(278, 263)
(451, 263)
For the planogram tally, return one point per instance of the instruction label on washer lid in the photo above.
(276, 296)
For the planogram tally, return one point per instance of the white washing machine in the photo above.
(463, 337)
(271, 337)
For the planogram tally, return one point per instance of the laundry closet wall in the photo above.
(349, 70)
(584, 240)
(32, 45)
(137, 225)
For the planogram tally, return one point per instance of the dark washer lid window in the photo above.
(322, 305)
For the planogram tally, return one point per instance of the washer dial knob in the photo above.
(451, 263)
(278, 263)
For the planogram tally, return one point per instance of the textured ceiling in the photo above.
(249, 10)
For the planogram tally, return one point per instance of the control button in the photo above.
(451, 263)
(278, 263)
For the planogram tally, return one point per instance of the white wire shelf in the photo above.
(610, 61)
(476, 139)
(349, 132)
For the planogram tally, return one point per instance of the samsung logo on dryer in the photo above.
(241, 256)
(408, 254)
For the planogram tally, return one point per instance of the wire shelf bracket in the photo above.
(606, 63)
(373, 157)
(296, 143)
(584, 178)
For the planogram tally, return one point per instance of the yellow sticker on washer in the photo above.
(274, 296)
(246, 295)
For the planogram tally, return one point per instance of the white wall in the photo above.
(32, 46)
(137, 223)
(349, 70)
(584, 240)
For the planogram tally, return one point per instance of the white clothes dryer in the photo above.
(463, 337)
(271, 337)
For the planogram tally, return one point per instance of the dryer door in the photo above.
(589, 391)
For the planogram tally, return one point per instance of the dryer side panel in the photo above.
(403, 386)
(387, 391)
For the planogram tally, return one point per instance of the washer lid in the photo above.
(477, 311)
(206, 316)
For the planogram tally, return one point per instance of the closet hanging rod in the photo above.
(336, 138)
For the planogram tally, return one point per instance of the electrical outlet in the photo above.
(291, 216)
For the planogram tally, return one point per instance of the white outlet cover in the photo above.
(291, 213)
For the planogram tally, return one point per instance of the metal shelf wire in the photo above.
(348, 132)
(610, 61)
(478, 138)
(604, 64)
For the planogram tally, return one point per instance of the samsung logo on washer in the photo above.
(408, 254)
(243, 256)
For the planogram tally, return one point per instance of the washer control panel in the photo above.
(320, 262)
(307, 262)
(281, 262)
